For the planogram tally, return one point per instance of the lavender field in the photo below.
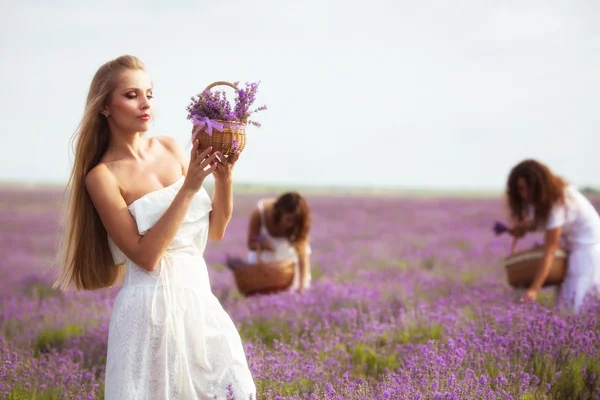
(409, 301)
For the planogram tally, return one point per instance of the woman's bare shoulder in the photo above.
(268, 202)
(267, 205)
(101, 179)
(168, 141)
(170, 144)
(174, 148)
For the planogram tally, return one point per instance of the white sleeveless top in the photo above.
(578, 218)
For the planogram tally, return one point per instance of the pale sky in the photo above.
(416, 94)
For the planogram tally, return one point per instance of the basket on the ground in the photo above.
(264, 278)
(223, 136)
(522, 267)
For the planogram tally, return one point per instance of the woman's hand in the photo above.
(225, 166)
(197, 169)
(518, 231)
(521, 228)
(530, 295)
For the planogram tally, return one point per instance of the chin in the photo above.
(143, 127)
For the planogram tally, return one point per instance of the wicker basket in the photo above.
(222, 141)
(264, 278)
(521, 267)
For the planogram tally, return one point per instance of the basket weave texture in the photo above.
(264, 278)
(521, 268)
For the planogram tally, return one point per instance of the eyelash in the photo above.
(133, 96)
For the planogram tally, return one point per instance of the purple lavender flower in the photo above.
(375, 323)
(235, 144)
(215, 105)
(500, 228)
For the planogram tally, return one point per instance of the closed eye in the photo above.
(134, 95)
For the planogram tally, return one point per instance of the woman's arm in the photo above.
(304, 266)
(254, 230)
(222, 209)
(303, 263)
(222, 201)
(553, 232)
(520, 229)
(144, 250)
(551, 244)
(255, 236)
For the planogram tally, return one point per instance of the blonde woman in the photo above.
(138, 214)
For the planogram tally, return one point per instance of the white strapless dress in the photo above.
(169, 337)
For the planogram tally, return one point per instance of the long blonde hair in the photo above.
(84, 256)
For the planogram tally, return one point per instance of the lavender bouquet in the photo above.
(216, 106)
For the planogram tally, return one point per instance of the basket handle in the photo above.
(221, 83)
(225, 83)
(258, 250)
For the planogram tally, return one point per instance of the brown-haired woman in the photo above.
(539, 200)
(138, 214)
(281, 227)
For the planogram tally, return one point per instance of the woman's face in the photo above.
(130, 103)
(523, 190)
(287, 221)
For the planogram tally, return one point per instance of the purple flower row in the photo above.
(404, 305)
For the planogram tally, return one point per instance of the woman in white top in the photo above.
(281, 227)
(539, 200)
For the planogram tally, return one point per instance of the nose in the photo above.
(145, 103)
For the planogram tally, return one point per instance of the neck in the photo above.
(124, 144)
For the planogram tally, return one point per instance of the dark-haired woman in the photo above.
(281, 226)
(539, 200)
